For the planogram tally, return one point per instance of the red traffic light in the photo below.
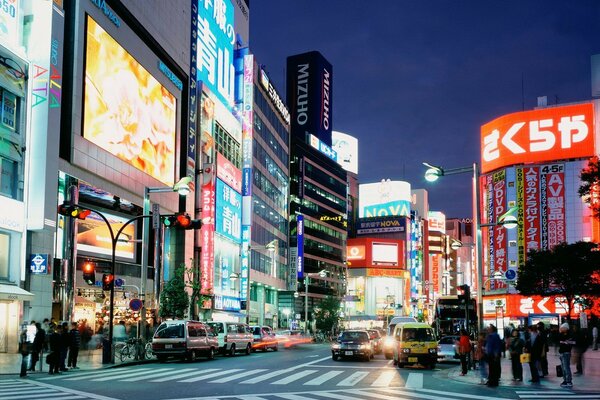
(181, 221)
(108, 281)
(89, 273)
(73, 210)
(184, 220)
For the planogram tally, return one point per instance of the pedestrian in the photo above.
(74, 345)
(464, 349)
(65, 339)
(24, 349)
(543, 333)
(515, 348)
(595, 338)
(119, 332)
(579, 349)
(493, 350)
(534, 348)
(565, 346)
(39, 342)
(54, 344)
(480, 357)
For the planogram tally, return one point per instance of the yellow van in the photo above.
(414, 344)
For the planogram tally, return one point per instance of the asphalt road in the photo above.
(304, 372)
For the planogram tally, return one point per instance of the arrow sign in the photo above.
(541, 305)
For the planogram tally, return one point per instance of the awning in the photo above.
(232, 313)
(13, 292)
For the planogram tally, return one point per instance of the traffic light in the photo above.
(74, 211)
(108, 281)
(181, 221)
(466, 292)
(89, 273)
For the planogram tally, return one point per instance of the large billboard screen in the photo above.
(216, 38)
(548, 134)
(346, 148)
(228, 215)
(309, 89)
(384, 199)
(93, 236)
(127, 111)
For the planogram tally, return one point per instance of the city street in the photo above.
(304, 372)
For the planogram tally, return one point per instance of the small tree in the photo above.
(327, 315)
(192, 282)
(568, 270)
(174, 299)
(590, 181)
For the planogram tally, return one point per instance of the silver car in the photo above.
(447, 350)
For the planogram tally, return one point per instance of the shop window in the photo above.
(8, 177)
(4, 252)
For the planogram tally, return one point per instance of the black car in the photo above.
(355, 343)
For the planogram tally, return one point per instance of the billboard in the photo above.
(127, 112)
(538, 136)
(216, 38)
(318, 144)
(384, 199)
(228, 212)
(436, 221)
(309, 99)
(228, 173)
(380, 225)
(300, 245)
(385, 254)
(346, 148)
(93, 236)
(207, 238)
(375, 253)
(227, 262)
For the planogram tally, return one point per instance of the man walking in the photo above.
(493, 350)
(74, 345)
(534, 346)
(565, 345)
(543, 335)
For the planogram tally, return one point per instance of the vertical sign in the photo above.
(522, 256)
(193, 100)
(544, 208)
(489, 208)
(555, 198)
(500, 239)
(435, 272)
(300, 241)
(247, 135)
(228, 212)
(531, 198)
(207, 239)
(216, 38)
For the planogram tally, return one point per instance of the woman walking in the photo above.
(515, 347)
(464, 349)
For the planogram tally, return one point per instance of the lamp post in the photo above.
(508, 221)
(307, 276)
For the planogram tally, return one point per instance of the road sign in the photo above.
(38, 264)
(156, 216)
(135, 304)
(119, 282)
(510, 274)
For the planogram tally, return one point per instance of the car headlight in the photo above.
(406, 350)
(433, 351)
(335, 346)
(388, 341)
(364, 346)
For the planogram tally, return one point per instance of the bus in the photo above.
(452, 315)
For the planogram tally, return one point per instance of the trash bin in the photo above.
(106, 353)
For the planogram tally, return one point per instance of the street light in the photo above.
(321, 274)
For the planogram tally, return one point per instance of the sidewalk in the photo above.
(10, 364)
(590, 380)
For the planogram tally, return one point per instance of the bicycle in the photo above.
(131, 349)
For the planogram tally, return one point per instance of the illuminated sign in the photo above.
(9, 21)
(207, 239)
(110, 14)
(274, 96)
(228, 173)
(384, 199)
(536, 136)
(127, 111)
(228, 215)
(227, 262)
(385, 254)
(355, 252)
(436, 221)
(94, 237)
(322, 147)
(300, 241)
(216, 38)
(380, 225)
(162, 67)
(227, 303)
(346, 148)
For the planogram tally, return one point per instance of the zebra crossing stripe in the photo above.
(156, 374)
(131, 374)
(294, 377)
(267, 376)
(385, 378)
(324, 378)
(353, 379)
(88, 375)
(237, 376)
(290, 396)
(30, 396)
(185, 375)
(463, 396)
(208, 376)
(414, 381)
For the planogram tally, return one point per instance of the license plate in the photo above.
(168, 346)
(348, 353)
(413, 359)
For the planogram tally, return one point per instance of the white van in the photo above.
(233, 337)
(184, 339)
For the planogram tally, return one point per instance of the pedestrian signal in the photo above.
(89, 273)
(108, 281)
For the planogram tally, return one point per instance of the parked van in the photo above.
(184, 339)
(232, 337)
(415, 344)
(264, 338)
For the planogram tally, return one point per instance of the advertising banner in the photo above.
(521, 252)
(193, 97)
(435, 272)
(228, 173)
(380, 225)
(384, 199)
(228, 216)
(227, 262)
(322, 147)
(216, 37)
(227, 303)
(500, 239)
(207, 239)
(555, 207)
(346, 147)
(356, 252)
(300, 241)
(538, 136)
(93, 236)
(516, 305)
(245, 267)
(531, 196)
(10, 20)
(436, 221)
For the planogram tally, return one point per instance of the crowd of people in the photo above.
(526, 346)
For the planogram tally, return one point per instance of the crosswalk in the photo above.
(312, 377)
(563, 394)
(21, 389)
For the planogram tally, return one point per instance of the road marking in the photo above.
(120, 378)
(343, 396)
(323, 378)
(462, 395)
(161, 372)
(353, 379)
(237, 376)
(564, 395)
(414, 380)
(201, 378)
(266, 376)
(185, 375)
(73, 391)
(294, 377)
(385, 378)
(80, 377)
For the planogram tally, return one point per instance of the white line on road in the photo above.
(73, 391)
(102, 373)
(353, 379)
(414, 380)
(461, 395)
(266, 376)
(156, 374)
(324, 378)
(237, 376)
(185, 375)
(294, 377)
(129, 375)
(204, 377)
(385, 378)
(343, 396)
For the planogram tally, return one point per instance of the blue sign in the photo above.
(227, 303)
(300, 242)
(510, 274)
(135, 304)
(381, 225)
(119, 282)
(38, 264)
(228, 215)
(216, 38)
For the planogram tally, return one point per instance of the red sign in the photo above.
(355, 253)
(228, 173)
(516, 305)
(547, 134)
(207, 239)
(499, 237)
(555, 200)
(531, 199)
(435, 272)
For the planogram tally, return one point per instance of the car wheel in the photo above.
(191, 356)
(232, 350)
(334, 357)
(211, 353)
(161, 359)
(248, 349)
(276, 348)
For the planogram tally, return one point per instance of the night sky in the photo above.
(415, 80)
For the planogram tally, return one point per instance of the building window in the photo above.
(228, 146)
(4, 252)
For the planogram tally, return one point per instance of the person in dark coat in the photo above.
(54, 344)
(24, 349)
(38, 345)
(579, 349)
(493, 351)
(535, 348)
(543, 333)
(74, 345)
(565, 345)
(515, 347)
(65, 341)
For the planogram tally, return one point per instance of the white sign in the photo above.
(12, 214)
(346, 148)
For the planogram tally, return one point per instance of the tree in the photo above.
(568, 270)
(174, 299)
(590, 182)
(327, 315)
